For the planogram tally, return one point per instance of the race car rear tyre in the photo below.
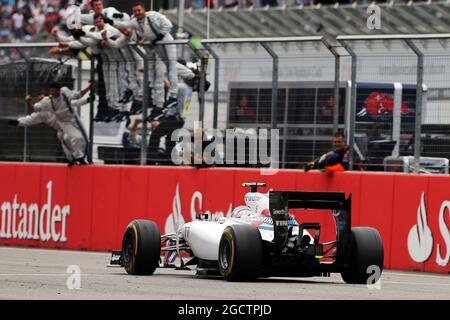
(367, 251)
(141, 247)
(240, 253)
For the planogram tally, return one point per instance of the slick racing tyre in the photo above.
(141, 247)
(240, 253)
(366, 251)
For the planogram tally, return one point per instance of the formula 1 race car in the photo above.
(259, 240)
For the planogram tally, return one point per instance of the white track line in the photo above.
(417, 274)
(386, 272)
(46, 250)
(53, 275)
(415, 283)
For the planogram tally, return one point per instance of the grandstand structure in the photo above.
(329, 20)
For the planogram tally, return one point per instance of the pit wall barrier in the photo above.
(88, 208)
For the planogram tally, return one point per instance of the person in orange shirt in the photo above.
(337, 160)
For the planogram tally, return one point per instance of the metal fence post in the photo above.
(203, 67)
(145, 102)
(79, 74)
(275, 86)
(180, 17)
(91, 112)
(27, 92)
(351, 125)
(419, 99)
(275, 77)
(79, 79)
(26, 131)
(216, 85)
(201, 93)
(90, 147)
(337, 79)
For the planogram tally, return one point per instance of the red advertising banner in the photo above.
(52, 206)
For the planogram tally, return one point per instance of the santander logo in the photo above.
(420, 237)
(23, 221)
(175, 219)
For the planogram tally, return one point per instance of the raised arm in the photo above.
(43, 105)
(76, 44)
(74, 95)
(115, 39)
(184, 72)
(90, 87)
(31, 120)
(80, 102)
(29, 101)
(94, 35)
(133, 24)
(87, 19)
(88, 42)
(61, 38)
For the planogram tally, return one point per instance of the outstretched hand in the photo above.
(55, 50)
(309, 166)
(92, 85)
(13, 123)
(155, 125)
(141, 41)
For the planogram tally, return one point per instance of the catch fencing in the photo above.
(389, 94)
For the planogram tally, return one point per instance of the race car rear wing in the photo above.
(340, 206)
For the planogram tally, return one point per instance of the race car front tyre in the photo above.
(366, 258)
(141, 247)
(240, 253)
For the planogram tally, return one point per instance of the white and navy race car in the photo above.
(260, 239)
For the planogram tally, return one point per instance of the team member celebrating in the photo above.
(74, 18)
(153, 27)
(60, 104)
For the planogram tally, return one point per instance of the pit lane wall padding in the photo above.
(88, 208)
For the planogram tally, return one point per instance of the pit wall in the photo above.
(88, 208)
